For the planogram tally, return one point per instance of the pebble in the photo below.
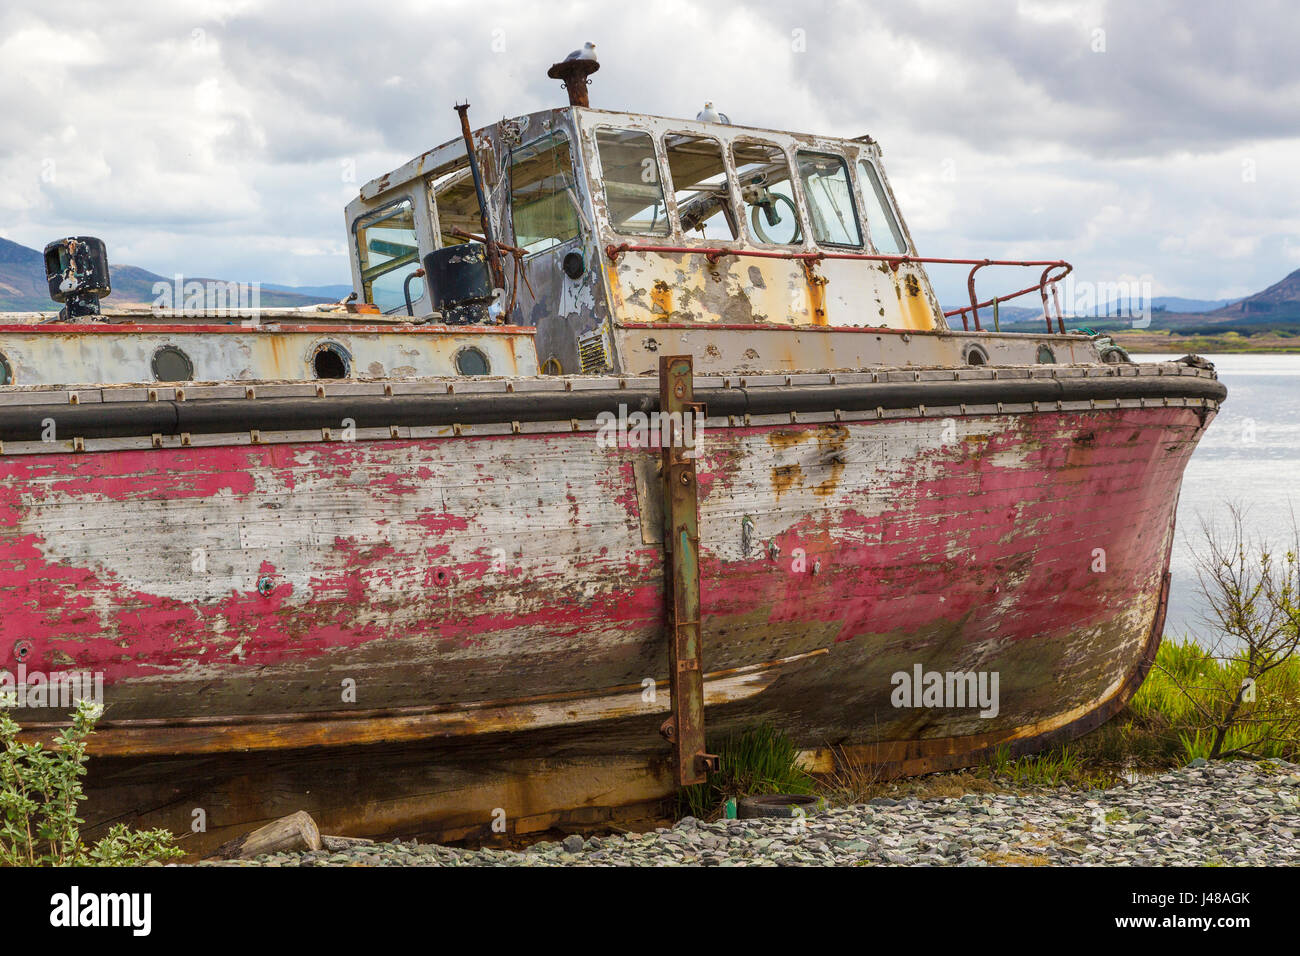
(1222, 814)
(573, 843)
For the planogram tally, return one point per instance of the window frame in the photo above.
(656, 147)
(367, 285)
(558, 131)
(847, 165)
(889, 207)
(729, 177)
(796, 193)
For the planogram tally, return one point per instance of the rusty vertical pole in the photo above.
(485, 218)
(685, 728)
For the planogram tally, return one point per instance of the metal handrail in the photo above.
(713, 254)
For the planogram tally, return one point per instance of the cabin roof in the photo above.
(440, 159)
(678, 122)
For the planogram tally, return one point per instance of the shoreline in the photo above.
(1158, 343)
(1201, 350)
(1228, 813)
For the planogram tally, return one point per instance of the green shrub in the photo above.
(40, 791)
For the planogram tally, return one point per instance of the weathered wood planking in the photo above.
(494, 569)
(500, 591)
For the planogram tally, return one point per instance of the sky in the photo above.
(1141, 140)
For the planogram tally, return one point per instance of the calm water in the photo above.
(1249, 456)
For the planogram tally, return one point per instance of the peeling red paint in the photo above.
(985, 539)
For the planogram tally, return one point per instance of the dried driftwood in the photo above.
(297, 831)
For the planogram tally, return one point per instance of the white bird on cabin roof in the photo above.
(588, 52)
(710, 115)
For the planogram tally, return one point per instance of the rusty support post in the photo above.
(574, 74)
(493, 254)
(1042, 291)
(685, 728)
(970, 287)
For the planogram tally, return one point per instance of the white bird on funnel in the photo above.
(710, 115)
(588, 52)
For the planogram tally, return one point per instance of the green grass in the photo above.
(1048, 769)
(1059, 765)
(1184, 675)
(1163, 726)
(1178, 664)
(758, 760)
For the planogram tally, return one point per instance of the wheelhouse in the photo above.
(618, 227)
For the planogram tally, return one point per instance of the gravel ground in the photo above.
(1226, 813)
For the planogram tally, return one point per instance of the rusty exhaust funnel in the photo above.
(574, 74)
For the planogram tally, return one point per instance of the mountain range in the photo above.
(1276, 306)
(23, 287)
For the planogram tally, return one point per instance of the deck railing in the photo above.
(1054, 270)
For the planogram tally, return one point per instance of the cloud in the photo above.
(224, 138)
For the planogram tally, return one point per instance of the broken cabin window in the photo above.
(885, 234)
(457, 205)
(825, 179)
(542, 201)
(633, 194)
(767, 194)
(700, 186)
(389, 253)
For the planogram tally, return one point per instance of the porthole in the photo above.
(471, 361)
(976, 355)
(6, 373)
(1046, 356)
(171, 364)
(573, 265)
(331, 360)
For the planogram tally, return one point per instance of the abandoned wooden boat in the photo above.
(407, 567)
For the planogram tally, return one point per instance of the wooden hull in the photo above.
(452, 627)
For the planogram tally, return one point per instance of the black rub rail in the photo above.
(213, 416)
